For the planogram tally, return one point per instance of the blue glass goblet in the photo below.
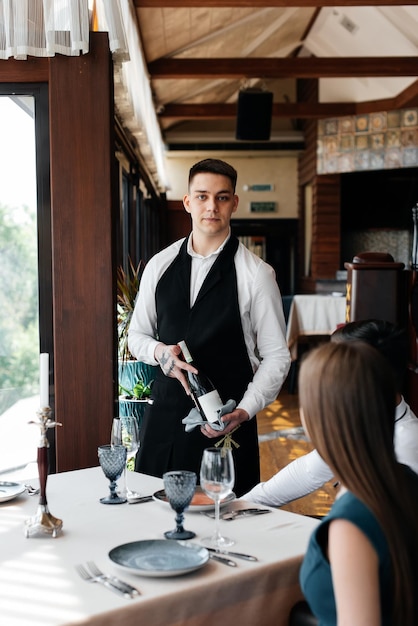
(112, 460)
(179, 488)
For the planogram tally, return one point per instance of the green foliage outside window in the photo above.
(19, 318)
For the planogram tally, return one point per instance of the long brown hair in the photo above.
(347, 394)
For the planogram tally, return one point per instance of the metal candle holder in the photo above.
(43, 522)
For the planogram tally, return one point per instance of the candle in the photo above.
(44, 379)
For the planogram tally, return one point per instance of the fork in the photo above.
(117, 581)
(32, 491)
(101, 580)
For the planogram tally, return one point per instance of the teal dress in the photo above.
(315, 574)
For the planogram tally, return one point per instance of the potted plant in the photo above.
(135, 378)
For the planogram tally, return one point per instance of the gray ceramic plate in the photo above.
(159, 557)
(9, 490)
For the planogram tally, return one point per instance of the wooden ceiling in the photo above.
(201, 53)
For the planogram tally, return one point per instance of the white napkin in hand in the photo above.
(194, 418)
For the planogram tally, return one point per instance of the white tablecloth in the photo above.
(313, 315)
(39, 585)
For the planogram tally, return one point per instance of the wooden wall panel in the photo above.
(178, 221)
(33, 70)
(82, 175)
(326, 236)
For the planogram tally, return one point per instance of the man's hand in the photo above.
(172, 365)
(233, 419)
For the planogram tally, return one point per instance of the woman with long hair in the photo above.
(361, 566)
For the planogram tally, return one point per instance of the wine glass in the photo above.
(217, 477)
(179, 487)
(130, 439)
(112, 460)
(116, 440)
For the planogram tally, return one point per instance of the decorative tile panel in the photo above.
(386, 140)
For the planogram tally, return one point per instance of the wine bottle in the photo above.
(202, 390)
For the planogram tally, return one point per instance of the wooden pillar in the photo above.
(82, 207)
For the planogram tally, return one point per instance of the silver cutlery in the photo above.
(139, 499)
(221, 559)
(133, 591)
(85, 575)
(32, 491)
(238, 555)
(231, 515)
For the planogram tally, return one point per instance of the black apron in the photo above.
(213, 333)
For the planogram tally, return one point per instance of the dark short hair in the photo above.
(389, 339)
(214, 166)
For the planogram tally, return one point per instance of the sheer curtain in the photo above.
(132, 81)
(43, 28)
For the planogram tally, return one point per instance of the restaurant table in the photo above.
(40, 585)
(313, 315)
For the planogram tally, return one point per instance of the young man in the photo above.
(212, 292)
(309, 472)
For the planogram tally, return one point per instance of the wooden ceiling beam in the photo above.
(300, 67)
(296, 110)
(301, 110)
(408, 97)
(178, 4)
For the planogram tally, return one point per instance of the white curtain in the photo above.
(43, 28)
(107, 16)
(137, 82)
(118, 18)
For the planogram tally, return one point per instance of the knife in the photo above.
(140, 499)
(126, 587)
(215, 557)
(231, 515)
(238, 555)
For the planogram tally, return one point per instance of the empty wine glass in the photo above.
(179, 488)
(217, 477)
(116, 440)
(130, 439)
(112, 460)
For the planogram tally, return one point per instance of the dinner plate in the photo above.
(9, 490)
(159, 558)
(200, 502)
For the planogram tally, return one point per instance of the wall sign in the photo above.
(259, 187)
(263, 207)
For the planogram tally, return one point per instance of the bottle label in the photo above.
(211, 403)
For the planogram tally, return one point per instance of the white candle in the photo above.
(44, 379)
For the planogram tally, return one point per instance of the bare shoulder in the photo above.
(345, 538)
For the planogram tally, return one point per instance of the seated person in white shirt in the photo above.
(309, 472)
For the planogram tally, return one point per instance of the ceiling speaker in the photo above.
(254, 112)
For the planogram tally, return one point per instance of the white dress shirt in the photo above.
(261, 311)
(309, 472)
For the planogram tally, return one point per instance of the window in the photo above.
(25, 250)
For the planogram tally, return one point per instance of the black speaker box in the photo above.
(254, 115)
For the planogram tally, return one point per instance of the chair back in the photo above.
(287, 303)
(301, 615)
